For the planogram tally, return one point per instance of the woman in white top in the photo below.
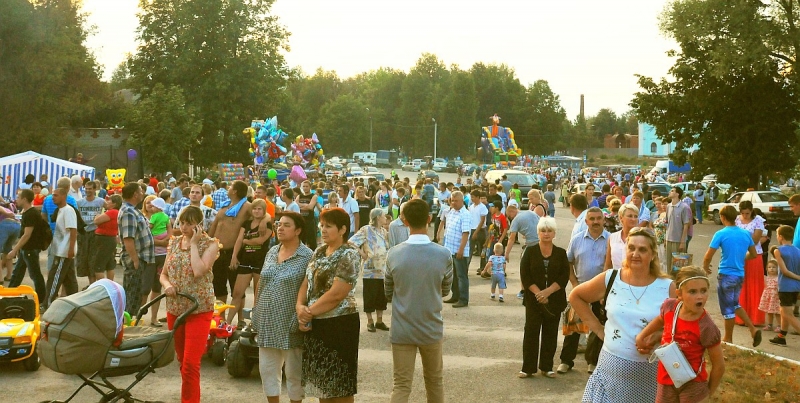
(623, 373)
(615, 252)
(753, 285)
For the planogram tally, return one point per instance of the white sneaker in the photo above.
(563, 369)
(591, 368)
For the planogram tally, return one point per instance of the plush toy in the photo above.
(116, 180)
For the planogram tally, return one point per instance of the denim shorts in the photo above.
(728, 291)
(499, 278)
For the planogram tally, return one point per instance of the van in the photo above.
(365, 158)
(523, 179)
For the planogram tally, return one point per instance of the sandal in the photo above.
(156, 324)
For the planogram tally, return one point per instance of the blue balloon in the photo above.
(259, 159)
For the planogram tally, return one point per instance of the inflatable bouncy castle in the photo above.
(498, 142)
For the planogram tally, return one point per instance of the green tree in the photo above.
(605, 122)
(337, 132)
(728, 96)
(48, 78)
(224, 55)
(542, 131)
(499, 91)
(458, 121)
(165, 127)
(421, 95)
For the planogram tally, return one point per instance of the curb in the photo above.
(773, 356)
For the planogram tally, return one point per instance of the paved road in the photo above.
(482, 353)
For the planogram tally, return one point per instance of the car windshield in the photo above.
(769, 197)
(521, 179)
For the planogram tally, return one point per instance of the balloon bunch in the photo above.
(266, 141)
(267, 145)
(307, 151)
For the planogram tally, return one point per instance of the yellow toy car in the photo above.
(19, 326)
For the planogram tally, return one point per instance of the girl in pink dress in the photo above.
(769, 298)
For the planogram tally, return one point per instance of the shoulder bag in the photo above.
(672, 358)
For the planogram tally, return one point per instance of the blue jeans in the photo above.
(462, 266)
(29, 259)
(728, 289)
(698, 208)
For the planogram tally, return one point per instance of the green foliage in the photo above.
(342, 137)
(164, 127)
(542, 131)
(48, 78)
(731, 95)
(224, 55)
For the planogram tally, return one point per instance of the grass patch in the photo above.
(750, 376)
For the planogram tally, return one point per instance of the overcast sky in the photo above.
(579, 46)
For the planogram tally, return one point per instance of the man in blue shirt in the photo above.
(794, 204)
(737, 246)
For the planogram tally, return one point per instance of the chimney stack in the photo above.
(583, 117)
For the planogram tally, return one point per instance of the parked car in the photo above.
(439, 164)
(410, 166)
(523, 179)
(662, 187)
(468, 169)
(774, 206)
(356, 171)
(451, 167)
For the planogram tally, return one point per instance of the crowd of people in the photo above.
(304, 247)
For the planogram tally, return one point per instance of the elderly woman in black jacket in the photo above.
(544, 270)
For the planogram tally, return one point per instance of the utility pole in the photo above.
(370, 130)
(435, 126)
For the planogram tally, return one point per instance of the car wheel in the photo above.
(239, 366)
(717, 220)
(219, 352)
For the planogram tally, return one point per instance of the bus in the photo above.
(386, 158)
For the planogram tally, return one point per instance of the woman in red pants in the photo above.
(753, 287)
(187, 269)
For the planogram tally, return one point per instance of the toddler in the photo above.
(769, 298)
(695, 333)
(498, 264)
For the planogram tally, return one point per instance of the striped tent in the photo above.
(14, 168)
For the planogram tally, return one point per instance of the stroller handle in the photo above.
(181, 318)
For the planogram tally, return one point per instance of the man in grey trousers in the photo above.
(418, 274)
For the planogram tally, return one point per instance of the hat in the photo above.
(513, 202)
(159, 203)
(490, 204)
(168, 173)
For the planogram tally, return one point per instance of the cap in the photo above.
(513, 202)
(168, 173)
(490, 204)
(159, 203)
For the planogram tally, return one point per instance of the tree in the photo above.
(605, 122)
(458, 120)
(48, 78)
(542, 131)
(339, 126)
(421, 95)
(728, 96)
(224, 55)
(165, 127)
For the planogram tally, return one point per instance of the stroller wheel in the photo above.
(121, 395)
(219, 352)
(239, 366)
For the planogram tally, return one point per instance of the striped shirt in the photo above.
(132, 224)
(457, 223)
(587, 254)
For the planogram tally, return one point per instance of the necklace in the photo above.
(634, 295)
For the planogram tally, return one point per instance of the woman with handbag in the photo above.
(544, 270)
(623, 373)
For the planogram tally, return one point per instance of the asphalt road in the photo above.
(482, 353)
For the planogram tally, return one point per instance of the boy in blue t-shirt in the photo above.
(498, 264)
(788, 257)
(737, 246)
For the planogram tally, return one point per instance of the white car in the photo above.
(774, 206)
(371, 170)
(356, 171)
(439, 164)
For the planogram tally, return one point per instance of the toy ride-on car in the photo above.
(221, 334)
(19, 326)
(243, 352)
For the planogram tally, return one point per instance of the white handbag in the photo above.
(671, 356)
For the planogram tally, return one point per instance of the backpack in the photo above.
(42, 233)
(81, 227)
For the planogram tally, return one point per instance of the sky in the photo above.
(579, 47)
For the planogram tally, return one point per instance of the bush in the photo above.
(603, 156)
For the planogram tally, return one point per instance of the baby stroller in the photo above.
(85, 334)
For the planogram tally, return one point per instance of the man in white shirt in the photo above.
(350, 205)
(479, 212)
(76, 182)
(63, 247)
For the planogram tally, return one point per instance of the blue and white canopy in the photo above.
(14, 168)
